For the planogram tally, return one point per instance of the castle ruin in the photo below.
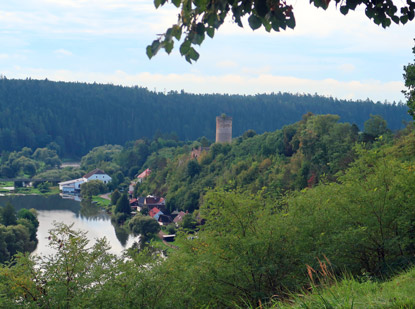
(223, 129)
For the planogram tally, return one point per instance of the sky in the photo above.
(104, 41)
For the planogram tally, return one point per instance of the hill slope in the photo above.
(79, 116)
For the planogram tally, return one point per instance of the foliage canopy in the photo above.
(198, 18)
(409, 77)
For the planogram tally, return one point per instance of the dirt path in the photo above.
(106, 196)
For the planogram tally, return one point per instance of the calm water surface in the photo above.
(86, 218)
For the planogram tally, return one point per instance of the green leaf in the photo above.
(344, 10)
(193, 54)
(369, 12)
(210, 32)
(211, 19)
(169, 34)
(157, 3)
(200, 4)
(291, 21)
(149, 52)
(268, 27)
(177, 32)
(386, 23)
(168, 46)
(254, 22)
(395, 19)
(261, 7)
(184, 48)
(155, 46)
(198, 39)
(404, 19)
(200, 29)
(176, 2)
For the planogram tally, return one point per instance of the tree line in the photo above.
(17, 231)
(76, 117)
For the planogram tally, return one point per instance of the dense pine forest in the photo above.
(77, 117)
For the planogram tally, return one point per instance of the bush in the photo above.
(119, 218)
(145, 226)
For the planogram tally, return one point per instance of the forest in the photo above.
(285, 213)
(274, 214)
(77, 117)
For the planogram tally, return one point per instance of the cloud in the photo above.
(347, 67)
(256, 70)
(227, 64)
(327, 52)
(89, 17)
(63, 52)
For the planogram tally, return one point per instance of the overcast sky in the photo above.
(104, 41)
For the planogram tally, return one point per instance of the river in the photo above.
(87, 218)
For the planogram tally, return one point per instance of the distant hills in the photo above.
(80, 116)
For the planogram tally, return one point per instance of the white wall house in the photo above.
(72, 186)
(97, 174)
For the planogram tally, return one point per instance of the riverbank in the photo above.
(28, 191)
(9, 188)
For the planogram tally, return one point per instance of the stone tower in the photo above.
(223, 129)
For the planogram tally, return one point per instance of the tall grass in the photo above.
(399, 292)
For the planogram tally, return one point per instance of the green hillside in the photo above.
(352, 293)
(275, 214)
(79, 116)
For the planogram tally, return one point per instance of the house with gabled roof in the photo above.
(97, 174)
(143, 175)
(154, 201)
(179, 217)
(155, 213)
(74, 186)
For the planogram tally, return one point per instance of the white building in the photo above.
(97, 174)
(72, 186)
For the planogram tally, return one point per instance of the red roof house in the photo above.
(144, 174)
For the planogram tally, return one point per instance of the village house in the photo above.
(143, 175)
(164, 219)
(97, 174)
(71, 186)
(74, 186)
(158, 215)
(155, 213)
(178, 216)
(152, 201)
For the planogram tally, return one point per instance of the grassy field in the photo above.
(158, 243)
(349, 293)
(33, 190)
(6, 184)
(101, 201)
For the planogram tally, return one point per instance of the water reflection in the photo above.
(85, 216)
(89, 210)
(121, 234)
